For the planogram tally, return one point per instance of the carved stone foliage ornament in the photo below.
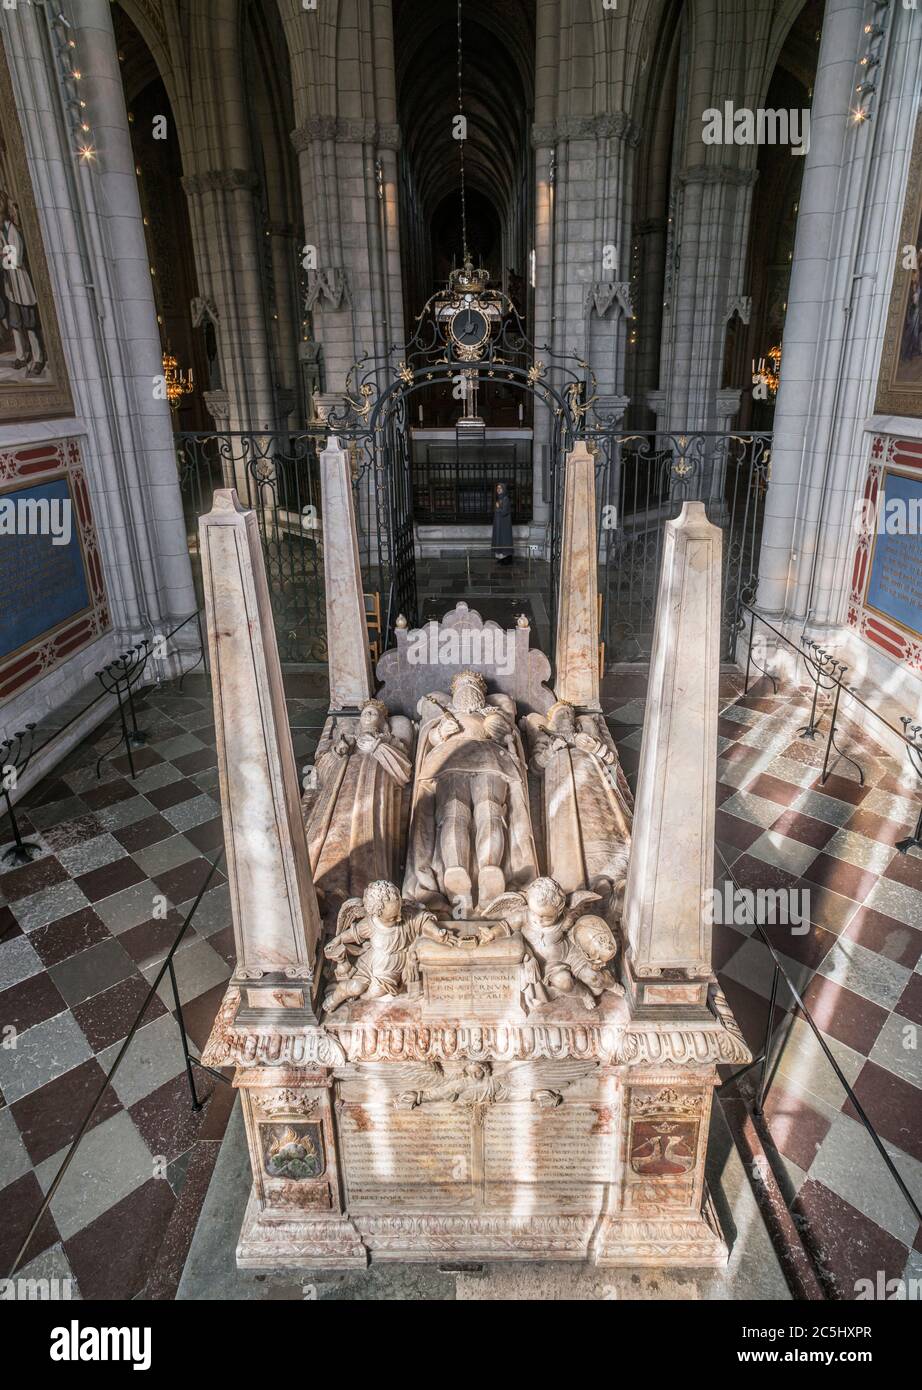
(327, 288)
(603, 294)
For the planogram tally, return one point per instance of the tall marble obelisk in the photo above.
(347, 632)
(576, 675)
(273, 902)
(671, 870)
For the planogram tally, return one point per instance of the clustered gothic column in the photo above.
(588, 84)
(847, 226)
(138, 455)
(223, 189)
(346, 138)
(723, 61)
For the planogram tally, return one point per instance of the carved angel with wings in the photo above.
(569, 948)
(474, 1083)
(374, 949)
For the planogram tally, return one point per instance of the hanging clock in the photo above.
(469, 329)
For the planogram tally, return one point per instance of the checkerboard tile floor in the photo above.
(84, 927)
(857, 965)
(83, 930)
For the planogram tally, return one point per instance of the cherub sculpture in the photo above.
(374, 949)
(569, 950)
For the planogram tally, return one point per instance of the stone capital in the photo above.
(730, 174)
(384, 136)
(609, 125)
(220, 181)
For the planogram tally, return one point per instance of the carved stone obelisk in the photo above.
(274, 906)
(671, 869)
(347, 633)
(577, 658)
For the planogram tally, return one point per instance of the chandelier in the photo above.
(178, 384)
(767, 372)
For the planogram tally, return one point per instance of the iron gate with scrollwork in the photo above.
(642, 479)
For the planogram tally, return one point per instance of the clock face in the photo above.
(469, 327)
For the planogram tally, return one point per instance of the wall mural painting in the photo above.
(51, 576)
(885, 602)
(33, 376)
(899, 387)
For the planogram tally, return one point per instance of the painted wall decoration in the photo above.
(33, 375)
(899, 386)
(51, 576)
(885, 602)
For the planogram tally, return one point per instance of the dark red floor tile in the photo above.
(150, 941)
(846, 1016)
(910, 1003)
(49, 790)
(199, 761)
(729, 728)
(110, 878)
(108, 793)
(223, 942)
(755, 873)
(30, 1002)
(166, 1271)
(885, 935)
(173, 793)
(760, 702)
(50, 1117)
(906, 868)
(64, 938)
(846, 1246)
(749, 1008)
(69, 833)
(734, 831)
(726, 940)
(740, 753)
(166, 1120)
(887, 832)
(106, 1265)
(32, 878)
(149, 831)
(893, 1105)
(841, 877)
(186, 880)
(804, 751)
(795, 1127)
(220, 1103)
(804, 829)
(199, 1014)
(827, 908)
(842, 788)
(208, 836)
(142, 758)
(9, 927)
(107, 1017)
(20, 1203)
(809, 947)
(774, 789)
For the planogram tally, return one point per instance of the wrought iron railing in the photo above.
(454, 483)
(642, 481)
